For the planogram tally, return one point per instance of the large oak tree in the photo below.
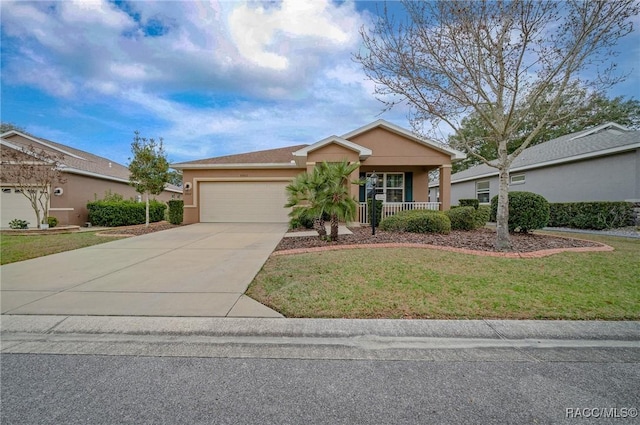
(497, 59)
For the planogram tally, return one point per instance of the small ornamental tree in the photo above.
(149, 168)
(33, 171)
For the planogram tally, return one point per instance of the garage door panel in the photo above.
(243, 202)
(15, 205)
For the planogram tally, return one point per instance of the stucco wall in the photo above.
(70, 208)
(612, 178)
(392, 149)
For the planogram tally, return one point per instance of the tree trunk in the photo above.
(146, 213)
(334, 227)
(319, 226)
(502, 217)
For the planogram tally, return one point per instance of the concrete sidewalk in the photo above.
(197, 270)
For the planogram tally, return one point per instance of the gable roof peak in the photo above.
(599, 128)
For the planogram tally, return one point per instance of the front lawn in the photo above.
(24, 247)
(424, 283)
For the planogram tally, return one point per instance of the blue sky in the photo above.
(210, 77)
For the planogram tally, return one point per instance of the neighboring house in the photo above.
(598, 164)
(250, 187)
(87, 178)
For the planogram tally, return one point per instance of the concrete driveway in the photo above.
(197, 270)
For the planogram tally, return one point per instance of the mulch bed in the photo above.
(477, 240)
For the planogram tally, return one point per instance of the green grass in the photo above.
(24, 247)
(423, 283)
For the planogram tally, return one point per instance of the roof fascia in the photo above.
(606, 152)
(10, 145)
(600, 128)
(362, 151)
(273, 165)
(41, 142)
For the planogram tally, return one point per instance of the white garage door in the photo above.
(14, 204)
(244, 202)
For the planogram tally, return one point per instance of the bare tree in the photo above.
(500, 60)
(33, 172)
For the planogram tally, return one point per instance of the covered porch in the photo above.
(401, 189)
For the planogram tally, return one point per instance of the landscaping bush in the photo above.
(124, 213)
(469, 203)
(527, 211)
(176, 211)
(53, 222)
(462, 218)
(482, 215)
(591, 215)
(417, 221)
(18, 224)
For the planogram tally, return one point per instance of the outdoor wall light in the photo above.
(58, 191)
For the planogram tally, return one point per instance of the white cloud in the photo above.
(264, 36)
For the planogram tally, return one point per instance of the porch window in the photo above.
(392, 185)
(482, 191)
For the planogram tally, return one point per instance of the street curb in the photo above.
(322, 328)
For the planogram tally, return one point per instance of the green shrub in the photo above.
(176, 211)
(482, 215)
(591, 215)
(463, 218)
(417, 221)
(378, 211)
(527, 211)
(53, 222)
(124, 213)
(469, 203)
(18, 224)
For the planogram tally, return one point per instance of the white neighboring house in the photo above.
(597, 164)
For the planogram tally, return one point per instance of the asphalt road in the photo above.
(120, 370)
(103, 389)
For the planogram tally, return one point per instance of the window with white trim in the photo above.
(392, 185)
(517, 179)
(482, 191)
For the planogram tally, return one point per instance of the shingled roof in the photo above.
(74, 160)
(604, 139)
(270, 156)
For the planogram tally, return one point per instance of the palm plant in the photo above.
(324, 191)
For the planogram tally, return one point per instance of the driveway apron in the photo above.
(197, 270)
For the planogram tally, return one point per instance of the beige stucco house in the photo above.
(250, 187)
(87, 177)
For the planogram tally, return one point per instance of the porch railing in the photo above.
(391, 208)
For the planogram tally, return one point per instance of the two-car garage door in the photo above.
(245, 202)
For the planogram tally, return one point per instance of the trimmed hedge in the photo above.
(124, 213)
(469, 203)
(482, 215)
(176, 211)
(462, 218)
(527, 211)
(468, 218)
(591, 215)
(417, 221)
